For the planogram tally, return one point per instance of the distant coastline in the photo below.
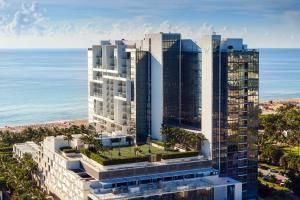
(267, 107)
(270, 106)
(52, 124)
(54, 84)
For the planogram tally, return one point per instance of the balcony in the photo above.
(97, 94)
(98, 78)
(121, 94)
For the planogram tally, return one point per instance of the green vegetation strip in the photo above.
(158, 142)
(6, 149)
(69, 150)
(127, 155)
(180, 155)
(104, 161)
(291, 150)
(273, 167)
(272, 185)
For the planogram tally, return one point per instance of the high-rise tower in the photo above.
(208, 86)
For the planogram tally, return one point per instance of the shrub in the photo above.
(264, 190)
(63, 148)
(284, 161)
(85, 152)
(272, 178)
(158, 142)
(115, 140)
(125, 160)
(6, 149)
(272, 154)
(70, 151)
(180, 155)
(97, 158)
(293, 182)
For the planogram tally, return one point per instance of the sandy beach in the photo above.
(270, 106)
(58, 124)
(267, 107)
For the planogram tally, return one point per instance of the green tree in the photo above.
(284, 161)
(68, 136)
(272, 178)
(294, 182)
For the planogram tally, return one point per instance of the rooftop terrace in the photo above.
(131, 154)
(158, 184)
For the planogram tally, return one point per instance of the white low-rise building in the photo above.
(27, 147)
(70, 175)
(62, 174)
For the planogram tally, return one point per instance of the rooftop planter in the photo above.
(68, 150)
(143, 155)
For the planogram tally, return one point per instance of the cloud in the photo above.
(3, 4)
(292, 18)
(27, 19)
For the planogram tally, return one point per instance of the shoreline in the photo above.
(267, 107)
(270, 106)
(51, 124)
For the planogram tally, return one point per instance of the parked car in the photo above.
(273, 171)
(266, 177)
(263, 167)
(282, 173)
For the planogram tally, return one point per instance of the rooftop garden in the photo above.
(174, 139)
(132, 154)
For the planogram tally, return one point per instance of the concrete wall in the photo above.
(156, 84)
(220, 193)
(207, 92)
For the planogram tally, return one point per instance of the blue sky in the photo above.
(81, 23)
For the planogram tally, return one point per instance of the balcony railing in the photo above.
(97, 94)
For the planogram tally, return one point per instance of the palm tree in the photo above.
(105, 149)
(75, 129)
(83, 129)
(89, 140)
(91, 130)
(68, 136)
(137, 150)
(149, 142)
(98, 147)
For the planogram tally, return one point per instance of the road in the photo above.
(268, 172)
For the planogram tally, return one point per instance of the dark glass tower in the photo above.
(230, 108)
(242, 117)
(171, 48)
(190, 84)
(141, 94)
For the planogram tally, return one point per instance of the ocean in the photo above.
(41, 85)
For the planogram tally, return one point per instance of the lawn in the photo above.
(125, 155)
(272, 185)
(128, 152)
(273, 167)
(292, 150)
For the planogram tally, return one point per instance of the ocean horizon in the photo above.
(42, 85)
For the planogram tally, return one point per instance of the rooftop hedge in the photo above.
(180, 155)
(6, 149)
(68, 150)
(106, 161)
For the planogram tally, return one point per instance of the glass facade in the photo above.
(219, 108)
(142, 96)
(242, 118)
(199, 194)
(191, 88)
(171, 78)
